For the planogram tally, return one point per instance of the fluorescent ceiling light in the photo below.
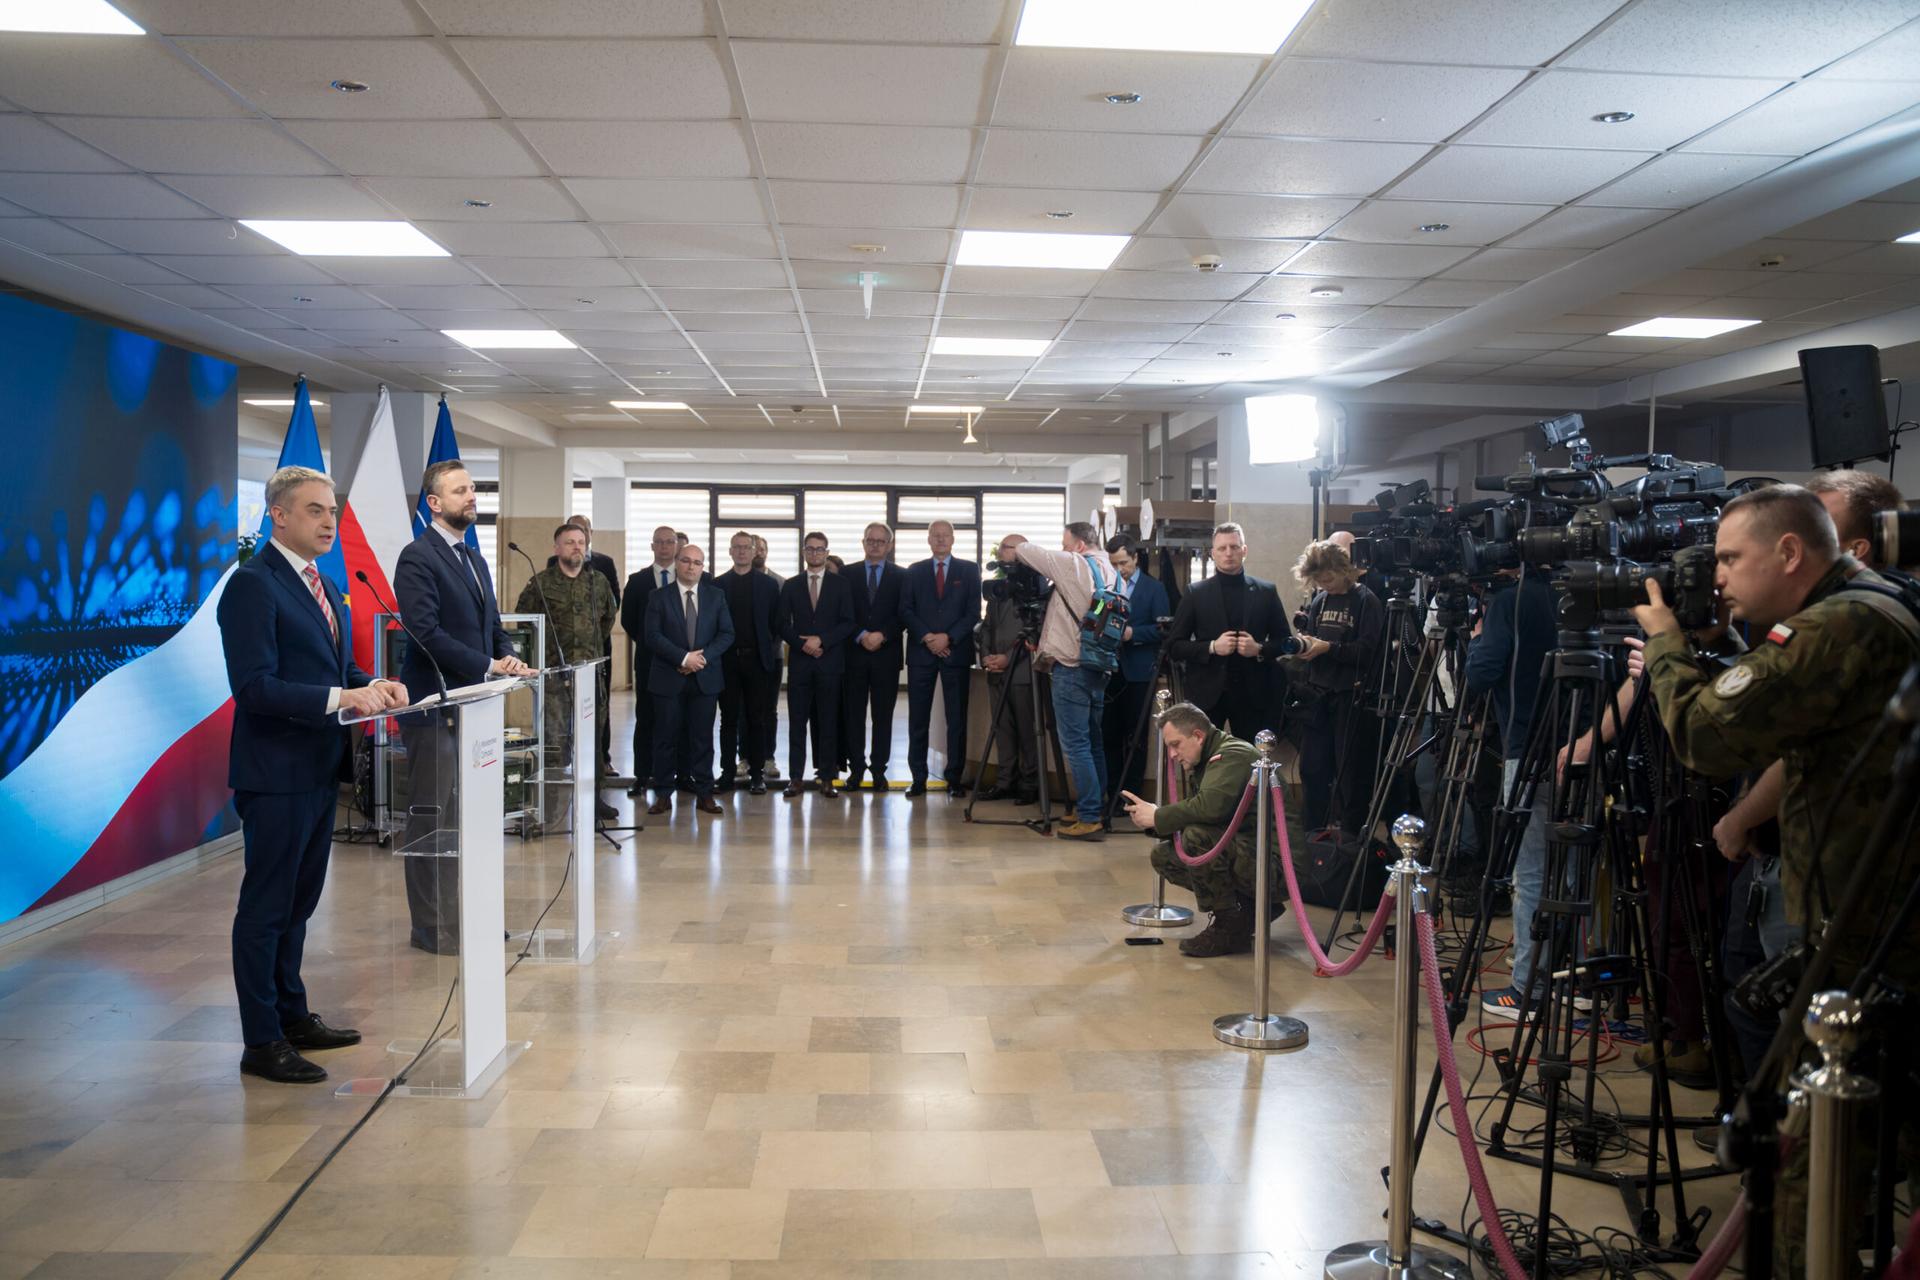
(648, 404)
(1912, 237)
(1193, 26)
(1071, 251)
(346, 239)
(1282, 428)
(945, 408)
(285, 404)
(1680, 327)
(990, 346)
(68, 17)
(521, 339)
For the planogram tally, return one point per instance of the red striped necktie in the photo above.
(313, 584)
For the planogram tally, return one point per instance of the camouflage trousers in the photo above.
(1223, 883)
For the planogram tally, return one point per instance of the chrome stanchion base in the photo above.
(1251, 1031)
(1368, 1259)
(1156, 916)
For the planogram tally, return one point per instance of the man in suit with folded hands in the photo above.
(290, 664)
(941, 604)
(873, 658)
(815, 618)
(686, 631)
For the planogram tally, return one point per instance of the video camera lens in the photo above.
(1896, 538)
(1686, 584)
(1292, 645)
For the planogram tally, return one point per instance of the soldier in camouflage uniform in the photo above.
(1830, 651)
(1215, 768)
(580, 608)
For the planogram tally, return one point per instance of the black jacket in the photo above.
(878, 611)
(795, 616)
(1200, 620)
(453, 616)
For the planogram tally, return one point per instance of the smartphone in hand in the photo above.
(1131, 798)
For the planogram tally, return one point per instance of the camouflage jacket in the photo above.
(581, 609)
(1210, 792)
(1810, 694)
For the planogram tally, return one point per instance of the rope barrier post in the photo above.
(1834, 1094)
(1396, 1257)
(1260, 1029)
(1157, 914)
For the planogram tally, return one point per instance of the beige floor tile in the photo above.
(975, 1224)
(1045, 1158)
(656, 1109)
(764, 1111)
(590, 1222)
(815, 1161)
(584, 1158)
(820, 1073)
(197, 1217)
(919, 1073)
(1101, 1222)
(549, 1109)
(685, 1158)
(847, 1225)
(700, 1223)
(920, 1161)
(1036, 1072)
(945, 1035)
(1223, 1219)
(742, 1033)
(235, 1153)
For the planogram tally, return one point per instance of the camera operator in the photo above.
(1226, 633)
(1215, 768)
(1342, 626)
(1077, 570)
(1811, 695)
(1510, 642)
(998, 635)
(1132, 684)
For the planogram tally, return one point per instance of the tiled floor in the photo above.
(846, 1038)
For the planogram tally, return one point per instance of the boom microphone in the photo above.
(394, 613)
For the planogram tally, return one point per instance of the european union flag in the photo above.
(302, 449)
(444, 449)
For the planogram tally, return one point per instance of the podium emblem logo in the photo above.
(486, 752)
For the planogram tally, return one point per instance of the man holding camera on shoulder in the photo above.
(1079, 571)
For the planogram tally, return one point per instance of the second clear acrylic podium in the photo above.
(441, 1006)
(550, 868)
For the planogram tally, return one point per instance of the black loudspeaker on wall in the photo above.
(1846, 409)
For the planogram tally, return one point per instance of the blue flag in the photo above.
(444, 449)
(301, 448)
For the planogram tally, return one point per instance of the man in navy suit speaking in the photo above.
(941, 604)
(290, 665)
(445, 594)
(686, 631)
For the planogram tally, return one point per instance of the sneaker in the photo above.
(1078, 830)
(1503, 1004)
(773, 771)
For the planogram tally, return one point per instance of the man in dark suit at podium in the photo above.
(815, 618)
(941, 604)
(1225, 635)
(686, 631)
(290, 664)
(873, 658)
(445, 594)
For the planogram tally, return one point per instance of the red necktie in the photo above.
(313, 585)
(940, 579)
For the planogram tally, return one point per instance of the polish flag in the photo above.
(374, 526)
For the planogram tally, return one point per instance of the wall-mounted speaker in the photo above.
(1846, 410)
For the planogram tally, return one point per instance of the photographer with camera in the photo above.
(1082, 577)
(1013, 611)
(1226, 632)
(1837, 640)
(1341, 628)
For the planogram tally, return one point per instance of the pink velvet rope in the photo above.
(1239, 816)
(1323, 966)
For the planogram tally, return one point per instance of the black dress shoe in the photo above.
(995, 792)
(757, 786)
(604, 811)
(311, 1033)
(917, 789)
(1026, 797)
(794, 791)
(726, 782)
(878, 782)
(707, 804)
(434, 944)
(828, 790)
(277, 1061)
(956, 791)
(660, 806)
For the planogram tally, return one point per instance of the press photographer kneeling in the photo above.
(1214, 769)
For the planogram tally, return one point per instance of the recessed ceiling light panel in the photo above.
(1680, 327)
(67, 17)
(1194, 26)
(945, 408)
(521, 339)
(1061, 249)
(1912, 237)
(648, 404)
(990, 346)
(346, 239)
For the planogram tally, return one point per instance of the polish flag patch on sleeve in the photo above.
(1781, 633)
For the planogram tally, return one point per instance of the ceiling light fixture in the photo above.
(346, 239)
(1912, 237)
(348, 86)
(1613, 117)
(1195, 26)
(1430, 227)
(1060, 215)
(520, 339)
(1124, 99)
(74, 17)
(1680, 327)
(868, 248)
(301, 298)
(477, 204)
(1325, 291)
(648, 404)
(1285, 315)
(283, 404)
(585, 302)
(990, 346)
(946, 408)
(1063, 250)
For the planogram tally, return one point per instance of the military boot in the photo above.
(1229, 934)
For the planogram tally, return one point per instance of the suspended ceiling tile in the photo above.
(1193, 214)
(568, 273)
(1401, 102)
(864, 152)
(858, 84)
(263, 266)
(1515, 175)
(1731, 38)
(206, 146)
(879, 21)
(1400, 221)
(178, 235)
(601, 79)
(29, 144)
(1513, 264)
(660, 19)
(1557, 109)
(127, 268)
(900, 247)
(1027, 209)
(526, 239)
(665, 240)
(444, 199)
(588, 304)
(839, 204)
(1584, 227)
(669, 200)
(413, 79)
(280, 197)
(419, 148)
(76, 195)
(1683, 179)
(1218, 286)
(1486, 32)
(1272, 166)
(1099, 161)
(665, 149)
(251, 18)
(44, 235)
(105, 76)
(1180, 93)
(986, 306)
(1808, 116)
(1379, 261)
(1023, 280)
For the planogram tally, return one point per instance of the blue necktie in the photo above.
(873, 580)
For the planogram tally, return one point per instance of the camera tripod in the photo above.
(1020, 656)
(1142, 731)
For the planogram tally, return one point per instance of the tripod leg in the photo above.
(1000, 708)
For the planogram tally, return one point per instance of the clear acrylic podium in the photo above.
(550, 867)
(443, 1008)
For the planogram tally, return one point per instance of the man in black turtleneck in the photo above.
(1226, 634)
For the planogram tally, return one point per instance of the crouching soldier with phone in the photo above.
(1215, 768)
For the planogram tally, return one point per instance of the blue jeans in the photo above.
(1079, 698)
(1529, 875)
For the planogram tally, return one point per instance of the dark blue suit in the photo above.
(287, 760)
(813, 684)
(446, 598)
(683, 703)
(872, 680)
(1132, 685)
(752, 669)
(953, 612)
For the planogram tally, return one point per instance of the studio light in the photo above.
(1282, 428)
(346, 239)
(516, 339)
(1062, 250)
(1680, 327)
